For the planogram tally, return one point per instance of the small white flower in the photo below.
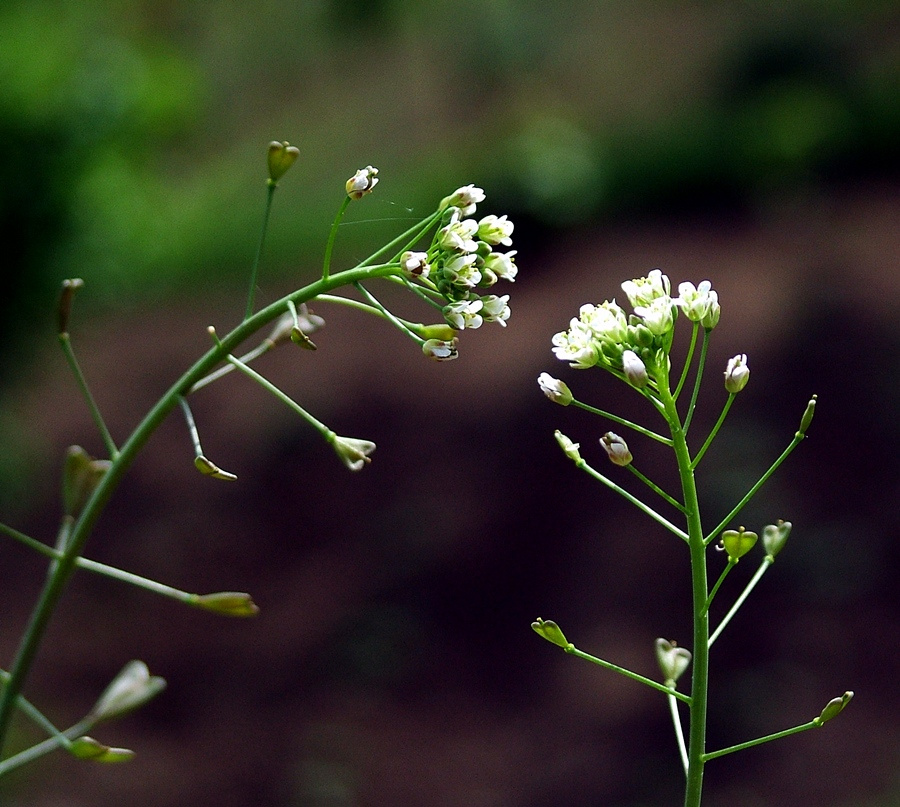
(607, 321)
(657, 315)
(556, 390)
(362, 182)
(696, 303)
(501, 264)
(353, 453)
(644, 290)
(415, 264)
(737, 373)
(457, 235)
(576, 346)
(616, 449)
(464, 314)
(465, 198)
(461, 271)
(496, 309)
(634, 369)
(495, 230)
(440, 349)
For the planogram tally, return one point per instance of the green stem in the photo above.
(700, 365)
(750, 493)
(687, 361)
(656, 488)
(759, 741)
(714, 431)
(66, 564)
(326, 266)
(572, 650)
(633, 499)
(58, 740)
(679, 731)
(622, 422)
(767, 562)
(66, 345)
(715, 588)
(263, 347)
(397, 323)
(254, 271)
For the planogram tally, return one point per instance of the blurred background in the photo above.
(753, 144)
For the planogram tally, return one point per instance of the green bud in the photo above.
(775, 536)
(81, 475)
(738, 543)
(551, 632)
(229, 603)
(131, 688)
(209, 468)
(281, 157)
(808, 415)
(88, 748)
(569, 448)
(834, 707)
(300, 338)
(673, 660)
(440, 331)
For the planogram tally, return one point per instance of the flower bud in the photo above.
(131, 688)
(209, 468)
(737, 373)
(415, 264)
(711, 318)
(353, 453)
(806, 420)
(228, 603)
(569, 448)
(438, 331)
(362, 182)
(737, 543)
(85, 747)
(556, 390)
(281, 157)
(441, 349)
(551, 632)
(64, 309)
(834, 707)
(465, 198)
(634, 369)
(616, 449)
(673, 660)
(774, 537)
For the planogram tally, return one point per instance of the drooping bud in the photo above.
(569, 448)
(737, 543)
(556, 390)
(673, 660)
(362, 182)
(228, 603)
(281, 156)
(353, 453)
(737, 373)
(635, 370)
(131, 688)
(616, 449)
(774, 537)
(550, 631)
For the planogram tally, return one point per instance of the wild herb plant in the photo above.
(447, 260)
(636, 350)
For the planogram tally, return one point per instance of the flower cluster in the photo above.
(461, 261)
(634, 345)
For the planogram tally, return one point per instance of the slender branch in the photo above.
(714, 431)
(759, 741)
(729, 566)
(251, 295)
(766, 563)
(687, 361)
(700, 365)
(397, 323)
(332, 235)
(679, 731)
(656, 489)
(622, 422)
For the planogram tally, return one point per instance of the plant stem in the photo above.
(574, 651)
(766, 563)
(251, 295)
(326, 264)
(63, 566)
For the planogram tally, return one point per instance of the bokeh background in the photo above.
(752, 143)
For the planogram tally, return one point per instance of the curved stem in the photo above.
(254, 271)
(326, 266)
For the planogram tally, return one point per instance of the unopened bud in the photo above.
(616, 449)
(834, 707)
(634, 369)
(550, 631)
(229, 603)
(738, 543)
(281, 157)
(441, 349)
(774, 537)
(569, 448)
(85, 747)
(737, 373)
(806, 420)
(208, 468)
(673, 660)
(131, 688)
(556, 390)
(362, 182)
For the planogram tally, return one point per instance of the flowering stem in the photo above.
(572, 650)
(633, 499)
(687, 361)
(655, 488)
(700, 365)
(326, 266)
(408, 240)
(66, 345)
(766, 563)
(679, 731)
(760, 740)
(750, 493)
(714, 431)
(263, 347)
(251, 295)
(387, 314)
(715, 588)
(622, 422)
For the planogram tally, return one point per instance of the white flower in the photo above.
(440, 349)
(362, 182)
(616, 449)
(501, 265)
(696, 303)
(461, 271)
(465, 198)
(464, 314)
(457, 235)
(353, 453)
(607, 321)
(556, 390)
(644, 290)
(737, 373)
(415, 264)
(634, 369)
(496, 309)
(657, 315)
(493, 230)
(576, 346)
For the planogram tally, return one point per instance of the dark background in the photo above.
(753, 144)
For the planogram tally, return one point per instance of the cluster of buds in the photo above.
(633, 345)
(461, 261)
